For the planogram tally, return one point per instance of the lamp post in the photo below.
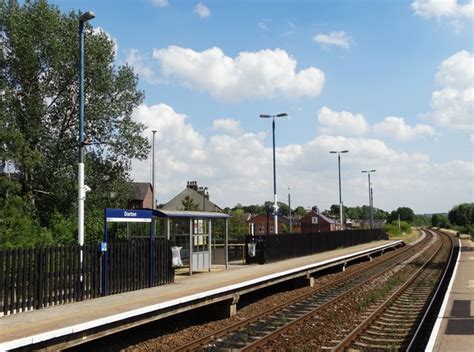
(275, 201)
(153, 171)
(371, 219)
(339, 169)
(86, 16)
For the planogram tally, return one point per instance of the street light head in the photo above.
(364, 171)
(332, 152)
(263, 116)
(345, 151)
(86, 16)
(373, 170)
(282, 114)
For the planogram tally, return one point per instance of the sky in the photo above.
(390, 81)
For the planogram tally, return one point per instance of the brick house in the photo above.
(314, 221)
(141, 196)
(259, 224)
(194, 198)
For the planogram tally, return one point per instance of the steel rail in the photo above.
(428, 310)
(264, 340)
(193, 345)
(352, 336)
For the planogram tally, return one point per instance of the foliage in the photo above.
(462, 214)
(440, 220)
(188, 204)
(39, 115)
(404, 213)
(394, 229)
(238, 224)
(422, 221)
(19, 226)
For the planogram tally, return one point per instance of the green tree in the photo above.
(462, 214)
(299, 210)
(39, 112)
(440, 220)
(188, 204)
(238, 224)
(405, 213)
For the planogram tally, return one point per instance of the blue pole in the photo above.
(105, 258)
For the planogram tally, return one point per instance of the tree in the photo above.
(405, 213)
(462, 214)
(188, 204)
(39, 112)
(301, 211)
(440, 220)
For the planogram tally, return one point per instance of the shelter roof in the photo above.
(161, 213)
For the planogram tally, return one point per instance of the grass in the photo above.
(407, 237)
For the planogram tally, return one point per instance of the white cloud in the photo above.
(395, 127)
(263, 24)
(339, 39)
(453, 105)
(237, 167)
(227, 125)
(135, 59)
(342, 123)
(443, 8)
(251, 75)
(202, 10)
(160, 3)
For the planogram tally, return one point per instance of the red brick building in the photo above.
(314, 222)
(260, 222)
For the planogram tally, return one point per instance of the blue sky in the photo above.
(392, 81)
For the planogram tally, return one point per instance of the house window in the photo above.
(271, 229)
(260, 229)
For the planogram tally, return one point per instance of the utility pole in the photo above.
(153, 171)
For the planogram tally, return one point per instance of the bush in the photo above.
(19, 227)
(393, 229)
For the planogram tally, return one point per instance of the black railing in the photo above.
(273, 248)
(35, 278)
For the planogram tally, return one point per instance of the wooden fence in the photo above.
(273, 248)
(35, 278)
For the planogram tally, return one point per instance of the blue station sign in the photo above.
(128, 215)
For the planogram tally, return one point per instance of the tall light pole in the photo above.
(339, 169)
(275, 201)
(153, 171)
(371, 219)
(82, 189)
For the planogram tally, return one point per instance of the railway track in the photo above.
(387, 323)
(392, 325)
(260, 331)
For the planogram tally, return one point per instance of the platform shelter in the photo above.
(197, 230)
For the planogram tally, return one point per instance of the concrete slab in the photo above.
(35, 326)
(454, 330)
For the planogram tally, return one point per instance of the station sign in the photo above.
(128, 215)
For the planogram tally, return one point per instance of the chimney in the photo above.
(192, 185)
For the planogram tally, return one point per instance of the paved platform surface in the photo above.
(456, 323)
(35, 326)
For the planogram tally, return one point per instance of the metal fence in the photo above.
(273, 248)
(35, 278)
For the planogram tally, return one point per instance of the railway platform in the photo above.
(70, 324)
(454, 327)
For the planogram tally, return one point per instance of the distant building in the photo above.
(141, 196)
(192, 197)
(258, 224)
(314, 222)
